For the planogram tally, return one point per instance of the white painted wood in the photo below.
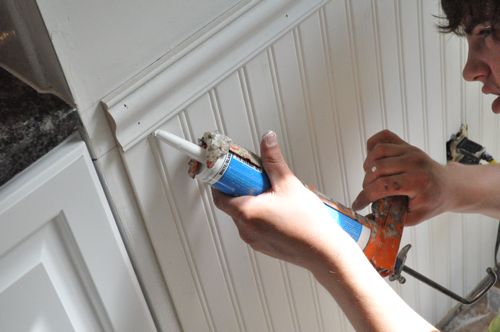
(325, 84)
(64, 267)
(27, 51)
(166, 87)
(136, 239)
(129, 36)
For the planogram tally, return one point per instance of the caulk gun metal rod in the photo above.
(194, 151)
(438, 287)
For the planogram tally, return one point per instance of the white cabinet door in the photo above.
(63, 266)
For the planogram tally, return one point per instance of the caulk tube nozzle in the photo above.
(194, 151)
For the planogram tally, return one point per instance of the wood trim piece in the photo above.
(138, 108)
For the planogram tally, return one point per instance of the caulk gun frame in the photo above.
(474, 297)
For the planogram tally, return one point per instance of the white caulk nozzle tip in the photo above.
(194, 151)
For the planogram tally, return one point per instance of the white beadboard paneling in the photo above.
(366, 60)
(344, 87)
(295, 109)
(266, 106)
(334, 78)
(265, 100)
(317, 86)
(246, 278)
(167, 236)
(435, 132)
(388, 25)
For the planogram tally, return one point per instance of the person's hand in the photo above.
(289, 221)
(394, 167)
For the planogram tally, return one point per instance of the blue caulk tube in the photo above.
(236, 176)
(230, 174)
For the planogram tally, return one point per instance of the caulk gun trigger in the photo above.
(400, 263)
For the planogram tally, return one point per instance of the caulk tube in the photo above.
(235, 176)
(357, 231)
(230, 174)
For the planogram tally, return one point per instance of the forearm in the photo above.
(474, 189)
(367, 300)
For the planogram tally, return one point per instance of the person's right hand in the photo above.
(394, 167)
(288, 221)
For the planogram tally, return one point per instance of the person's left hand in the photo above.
(394, 167)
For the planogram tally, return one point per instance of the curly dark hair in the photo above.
(463, 15)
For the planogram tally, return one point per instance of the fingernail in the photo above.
(270, 138)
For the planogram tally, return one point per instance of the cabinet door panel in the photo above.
(63, 265)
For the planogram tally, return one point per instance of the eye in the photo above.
(485, 32)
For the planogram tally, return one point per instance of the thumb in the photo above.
(360, 202)
(272, 159)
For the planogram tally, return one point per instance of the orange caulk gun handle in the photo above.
(386, 223)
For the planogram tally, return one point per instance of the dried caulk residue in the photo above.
(396, 206)
(216, 146)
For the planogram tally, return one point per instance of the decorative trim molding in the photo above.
(141, 106)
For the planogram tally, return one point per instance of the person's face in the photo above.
(483, 61)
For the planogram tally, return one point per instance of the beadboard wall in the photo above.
(340, 72)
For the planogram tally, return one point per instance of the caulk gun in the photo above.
(236, 171)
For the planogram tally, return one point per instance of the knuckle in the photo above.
(383, 184)
(244, 214)
(380, 149)
(385, 134)
(375, 138)
(415, 156)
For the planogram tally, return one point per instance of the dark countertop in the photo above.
(31, 124)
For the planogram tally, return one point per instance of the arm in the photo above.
(290, 223)
(367, 300)
(474, 189)
(394, 167)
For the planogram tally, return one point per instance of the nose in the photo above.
(475, 69)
